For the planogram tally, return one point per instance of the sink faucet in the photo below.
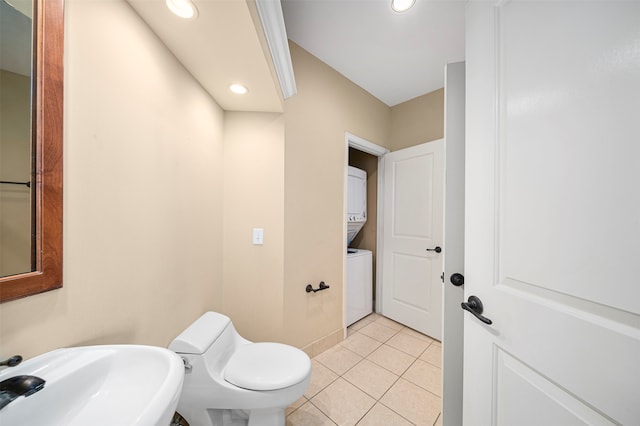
(14, 387)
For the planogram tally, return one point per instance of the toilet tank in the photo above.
(200, 335)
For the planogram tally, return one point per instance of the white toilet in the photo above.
(232, 381)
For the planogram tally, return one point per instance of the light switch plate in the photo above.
(258, 236)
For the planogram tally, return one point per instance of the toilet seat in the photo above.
(267, 366)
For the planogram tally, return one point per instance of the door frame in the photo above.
(454, 215)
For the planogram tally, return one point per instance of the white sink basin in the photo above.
(98, 385)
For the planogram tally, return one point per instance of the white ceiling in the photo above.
(395, 57)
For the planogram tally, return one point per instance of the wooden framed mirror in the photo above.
(46, 156)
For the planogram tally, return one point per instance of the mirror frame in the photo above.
(47, 116)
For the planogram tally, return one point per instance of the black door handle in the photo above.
(437, 249)
(457, 279)
(474, 305)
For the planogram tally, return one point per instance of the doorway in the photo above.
(411, 187)
(366, 156)
(367, 237)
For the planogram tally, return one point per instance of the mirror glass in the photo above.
(17, 194)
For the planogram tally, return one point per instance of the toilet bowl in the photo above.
(232, 381)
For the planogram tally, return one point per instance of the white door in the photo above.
(553, 213)
(412, 229)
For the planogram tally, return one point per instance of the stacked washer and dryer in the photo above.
(359, 294)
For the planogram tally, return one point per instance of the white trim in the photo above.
(364, 145)
(452, 315)
(380, 235)
(345, 203)
(272, 19)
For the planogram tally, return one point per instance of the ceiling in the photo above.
(393, 56)
(221, 47)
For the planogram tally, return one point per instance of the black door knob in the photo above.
(457, 279)
(474, 305)
(437, 249)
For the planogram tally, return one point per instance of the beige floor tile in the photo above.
(359, 324)
(321, 377)
(433, 355)
(371, 378)
(417, 335)
(308, 415)
(426, 376)
(412, 402)
(408, 344)
(339, 359)
(377, 331)
(361, 344)
(392, 359)
(297, 404)
(389, 323)
(344, 386)
(380, 415)
(343, 403)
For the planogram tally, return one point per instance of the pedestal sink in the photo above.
(98, 385)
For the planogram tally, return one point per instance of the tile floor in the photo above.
(382, 374)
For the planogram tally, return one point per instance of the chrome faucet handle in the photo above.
(12, 362)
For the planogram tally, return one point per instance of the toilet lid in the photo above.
(267, 366)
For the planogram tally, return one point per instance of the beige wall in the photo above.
(15, 165)
(252, 290)
(327, 105)
(142, 193)
(417, 121)
(294, 189)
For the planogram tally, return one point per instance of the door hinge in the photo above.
(442, 278)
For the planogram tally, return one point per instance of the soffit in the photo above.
(220, 47)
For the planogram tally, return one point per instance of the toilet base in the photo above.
(267, 417)
(258, 417)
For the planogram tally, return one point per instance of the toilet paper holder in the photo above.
(321, 286)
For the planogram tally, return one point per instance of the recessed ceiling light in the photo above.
(183, 8)
(402, 5)
(238, 88)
